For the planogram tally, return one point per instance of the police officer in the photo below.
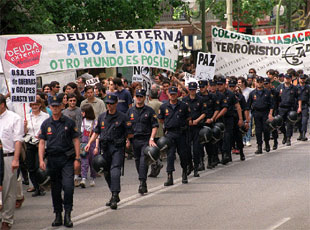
(197, 108)
(144, 125)
(212, 108)
(287, 96)
(63, 157)
(303, 104)
(112, 127)
(175, 115)
(261, 104)
(228, 118)
(237, 137)
(273, 92)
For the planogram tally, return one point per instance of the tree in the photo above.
(64, 16)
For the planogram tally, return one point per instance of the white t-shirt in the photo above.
(246, 93)
(34, 122)
(87, 124)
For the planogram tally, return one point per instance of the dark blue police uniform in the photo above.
(211, 105)
(60, 152)
(175, 118)
(197, 108)
(304, 96)
(142, 121)
(228, 119)
(113, 133)
(287, 97)
(260, 102)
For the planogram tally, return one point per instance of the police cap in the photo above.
(303, 76)
(141, 92)
(212, 82)
(192, 86)
(111, 98)
(288, 76)
(266, 80)
(56, 100)
(232, 83)
(260, 79)
(202, 83)
(221, 81)
(173, 90)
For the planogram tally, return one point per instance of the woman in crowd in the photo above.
(32, 125)
(88, 124)
(46, 88)
(71, 87)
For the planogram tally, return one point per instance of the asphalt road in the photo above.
(269, 191)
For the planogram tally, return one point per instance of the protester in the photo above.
(98, 105)
(71, 87)
(124, 98)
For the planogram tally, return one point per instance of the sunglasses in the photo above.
(109, 103)
(251, 72)
(139, 96)
(57, 87)
(72, 100)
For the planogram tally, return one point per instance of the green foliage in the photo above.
(55, 16)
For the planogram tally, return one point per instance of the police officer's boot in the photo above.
(114, 200)
(300, 136)
(288, 141)
(196, 174)
(259, 149)
(143, 187)
(284, 139)
(190, 168)
(58, 219)
(67, 221)
(275, 144)
(184, 176)
(169, 179)
(201, 166)
(209, 166)
(242, 157)
(267, 146)
(109, 202)
(304, 138)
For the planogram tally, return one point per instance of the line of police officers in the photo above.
(182, 120)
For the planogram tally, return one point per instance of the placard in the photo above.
(205, 67)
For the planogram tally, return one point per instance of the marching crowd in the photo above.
(85, 130)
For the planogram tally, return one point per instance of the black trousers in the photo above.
(226, 146)
(261, 127)
(196, 149)
(302, 125)
(138, 148)
(283, 112)
(61, 170)
(32, 161)
(178, 143)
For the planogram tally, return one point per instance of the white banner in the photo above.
(92, 81)
(237, 53)
(23, 85)
(138, 71)
(146, 84)
(55, 52)
(205, 66)
(189, 78)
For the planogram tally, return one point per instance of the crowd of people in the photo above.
(65, 131)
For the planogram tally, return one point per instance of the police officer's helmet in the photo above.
(151, 154)
(43, 178)
(279, 120)
(100, 164)
(272, 124)
(243, 130)
(221, 126)
(205, 135)
(163, 143)
(216, 134)
(292, 117)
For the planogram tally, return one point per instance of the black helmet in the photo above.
(205, 135)
(163, 143)
(221, 126)
(279, 120)
(216, 134)
(243, 129)
(151, 154)
(273, 125)
(292, 117)
(43, 178)
(100, 164)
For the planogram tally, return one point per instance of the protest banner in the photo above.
(92, 81)
(138, 71)
(237, 53)
(146, 84)
(56, 52)
(205, 66)
(23, 85)
(189, 78)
